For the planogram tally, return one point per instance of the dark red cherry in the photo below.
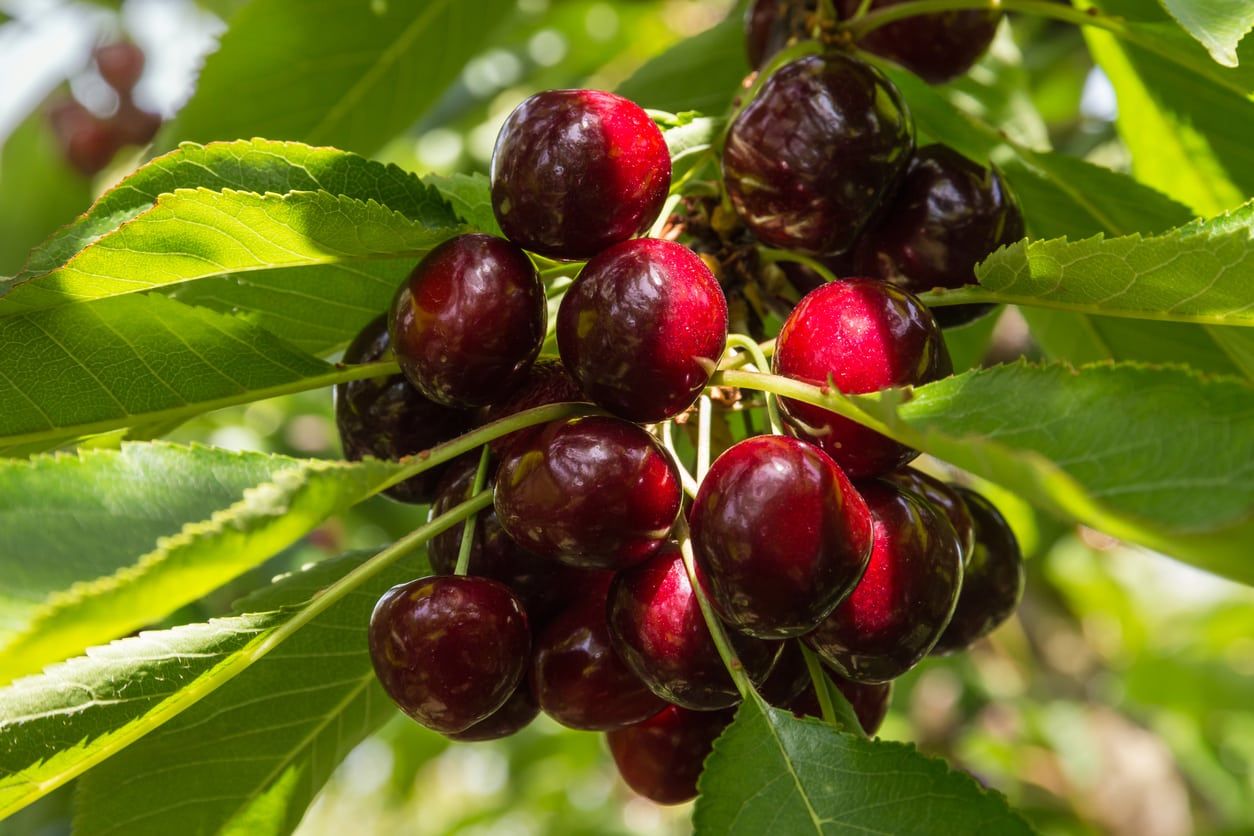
(578, 676)
(134, 126)
(120, 64)
(770, 24)
(948, 215)
(575, 171)
(517, 713)
(469, 320)
(789, 676)
(661, 758)
(88, 142)
(657, 628)
(546, 382)
(449, 650)
(544, 586)
(869, 701)
(904, 601)
(596, 493)
(864, 336)
(780, 536)
(936, 47)
(992, 582)
(387, 418)
(808, 161)
(946, 498)
(643, 328)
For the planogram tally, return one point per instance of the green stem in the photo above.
(1042, 8)
(827, 397)
(703, 438)
(558, 286)
(668, 441)
(668, 208)
(725, 651)
(772, 256)
(820, 680)
(468, 527)
(759, 359)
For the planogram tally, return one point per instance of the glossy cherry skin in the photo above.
(546, 382)
(449, 650)
(779, 534)
(992, 584)
(512, 717)
(948, 215)
(643, 328)
(575, 171)
(946, 498)
(869, 701)
(936, 47)
(578, 676)
(469, 320)
(387, 418)
(864, 336)
(595, 493)
(657, 627)
(788, 678)
(661, 758)
(903, 603)
(808, 161)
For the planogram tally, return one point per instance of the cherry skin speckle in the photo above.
(643, 328)
(904, 601)
(449, 651)
(780, 536)
(661, 758)
(595, 493)
(469, 320)
(575, 171)
(865, 336)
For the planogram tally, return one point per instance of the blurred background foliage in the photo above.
(1120, 700)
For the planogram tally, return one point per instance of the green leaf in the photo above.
(316, 682)
(471, 198)
(122, 538)
(1202, 272)
(1218, 25)
(700, 73)
(773, 773)
(334, 72)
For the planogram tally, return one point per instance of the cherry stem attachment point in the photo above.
(772, 256)
(468, 527)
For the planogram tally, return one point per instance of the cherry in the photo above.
(657, 627)
(904, 601)
(594, 492)
(120, 64)
(512, 717)
(449, 650)
(869, 701)
(575, 171)
(944, 497)
(780, 536)
(544, 586)
(808, 161)
(87, 142)
(936, 47)
(789, 676)
(133, 125)
(949, 214)
(661, 758)
(992, 583)
(769, 24)
(469, 320)
(643, 328)
(865, 336)
(578, 676)
(387, 418)
(546, 382)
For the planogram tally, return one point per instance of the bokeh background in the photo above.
(1120, 700)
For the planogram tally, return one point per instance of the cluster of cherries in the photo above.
(585, 579)
(88, 141)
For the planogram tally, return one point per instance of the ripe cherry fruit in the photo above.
(643, 328)
(661, 757)
(808, 161)
(469, 320)
(863, 336)
(944, 497)
(869, 701)
(780, 536)
(936, 47)
(387, 418)
(449, 650)
(546, 382)
(514, 716)
(903, 603)
(575, 171)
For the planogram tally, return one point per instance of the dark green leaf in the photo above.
(700, 73)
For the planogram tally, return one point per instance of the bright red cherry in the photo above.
(992, 583)
(936, 47)
(809, 160)
(661, 758)
(546, 382)
(596, 493)
(948, 215)
(517, 713)
(643, 328)
(387, 418)
(943, 496)
(449, 650)
(780, 536)
(869, 701)
(578, 676)
(469, 321)
(657, 627)
(904, 601)
(575, 171)
(864, 336)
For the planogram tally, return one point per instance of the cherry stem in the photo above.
(827, 12)
(1043, 8)
(759, 359)
(772, 256)
(819, 679)
(827, 397)
(558, 286)
(668, 209)
(703, 438)
(668, 441)
(468, 527)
